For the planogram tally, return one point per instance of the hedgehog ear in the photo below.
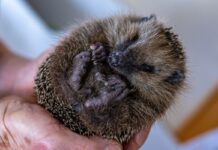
(152, 17)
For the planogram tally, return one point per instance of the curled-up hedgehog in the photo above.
(111, 77)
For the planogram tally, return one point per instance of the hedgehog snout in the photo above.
(116, 59)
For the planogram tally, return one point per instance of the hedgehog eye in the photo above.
(147, 68)
(132, 40)
(135, 37)
(176, 77)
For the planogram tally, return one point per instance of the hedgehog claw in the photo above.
(98, 53)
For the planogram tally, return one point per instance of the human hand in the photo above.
(138, 140)
(27, 126)
(17, 73)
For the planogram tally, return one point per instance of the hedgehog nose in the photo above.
(116, 59)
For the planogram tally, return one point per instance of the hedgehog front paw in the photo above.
(115, 90)
(98, 53)
(80, 66)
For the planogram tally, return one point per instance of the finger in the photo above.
(138, 140)
(23, 85)
(21, 124)
(65, 140)
(108, 144)
(28, 126)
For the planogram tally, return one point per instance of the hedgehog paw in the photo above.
(115, 90)
(98, 53)
(80, 66)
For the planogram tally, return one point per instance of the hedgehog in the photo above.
(111, 77)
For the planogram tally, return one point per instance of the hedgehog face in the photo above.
(148, 54)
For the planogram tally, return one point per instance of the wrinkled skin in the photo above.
(25, 125)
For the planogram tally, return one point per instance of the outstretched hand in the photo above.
(25, 125)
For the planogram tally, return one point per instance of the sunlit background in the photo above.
(28, 27)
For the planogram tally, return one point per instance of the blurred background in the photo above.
(28, 27)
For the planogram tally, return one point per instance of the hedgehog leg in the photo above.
(98, 53)
(115, 90)
(79, 69)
